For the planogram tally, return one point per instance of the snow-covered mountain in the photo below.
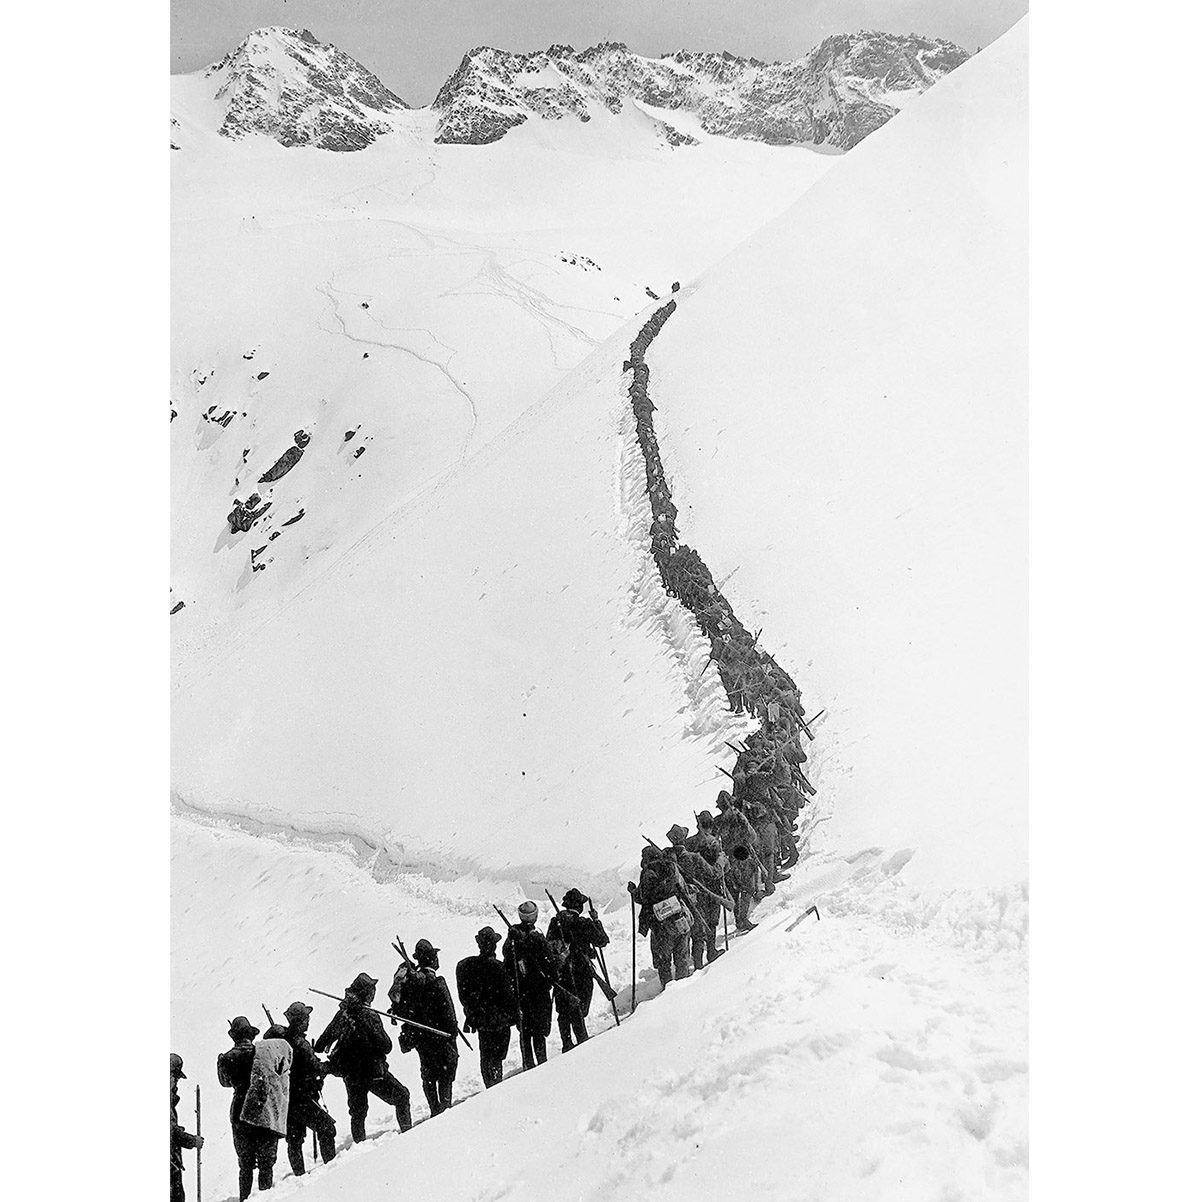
(834, 96)
(302, 92)
(289, 86)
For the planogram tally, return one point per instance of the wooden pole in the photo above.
(633, 952)
(198, 1194)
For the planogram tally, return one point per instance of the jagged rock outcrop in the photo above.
(302, 92)
(834, 96)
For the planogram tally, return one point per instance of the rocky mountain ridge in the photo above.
(834, 96)
(286, 84)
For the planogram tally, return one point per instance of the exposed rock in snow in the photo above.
(301, 92)
(834, 96)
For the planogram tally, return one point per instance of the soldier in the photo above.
(425, 998)
(254, 1146)
(527, 955)
(579, 937)
(664, 915)
(739, 843)
(360, 1057)
(305, 1111)
(265, 1107)
(489, 1003)
(707, 894)
(180, 1138)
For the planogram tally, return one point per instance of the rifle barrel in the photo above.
(412, 1022)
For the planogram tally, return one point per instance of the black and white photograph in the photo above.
(599, 601)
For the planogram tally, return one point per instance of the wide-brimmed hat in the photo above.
(574, 900)
(363, 983)
(425, 950)
(297, 1010)
(487, 936)
(177, 1066)
(677, 833)
(242, 1028)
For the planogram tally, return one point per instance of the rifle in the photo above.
(267, 1013)
(197, 1144)
(516, 975)
(600, 952)
(383, 1014)
(605, 988)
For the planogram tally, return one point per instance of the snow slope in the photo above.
(866, 353)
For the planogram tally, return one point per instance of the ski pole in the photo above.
(604, 967)
(724, 912)
(633, 953)
(197, 1143)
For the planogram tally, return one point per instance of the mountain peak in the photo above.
(834, 96)
(289, 85)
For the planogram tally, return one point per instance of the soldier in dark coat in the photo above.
(180, 1138)
(254, 1146)
(489, 1002)
(527, 955)
(305, 1112)
(740, 845)
(360, 1048)
(707, 886)
(664, 915)
(578, 935)
(425, 998)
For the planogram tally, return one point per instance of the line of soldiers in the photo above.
(277, 1081)
(726, 865)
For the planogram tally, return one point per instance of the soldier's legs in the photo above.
(319, 1119)
(297, 1129)
(563, 1005)
(680, 953)
(356, 1103)
(493, 1047)
(539, 1047)
(390, 1091)
(429, 1080)
(265, 1156)
(177, 1194)
(660, 955)
(526, 1047)
(244, 1149)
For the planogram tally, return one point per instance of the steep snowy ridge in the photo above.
(838, 93)
(302, 92)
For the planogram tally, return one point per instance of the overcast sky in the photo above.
(413, 45)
